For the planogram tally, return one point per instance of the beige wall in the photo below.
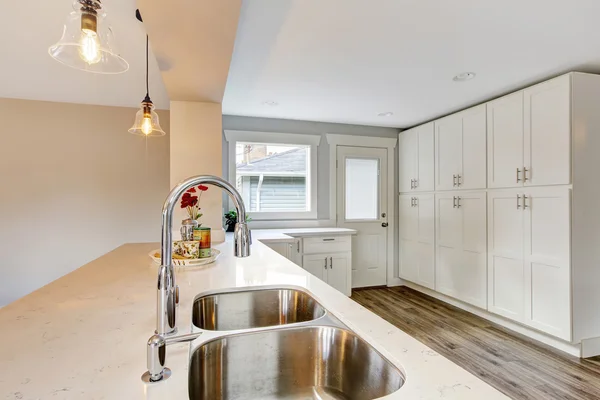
(74, 184)
(196, 149)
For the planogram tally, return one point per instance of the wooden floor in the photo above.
(517, 366)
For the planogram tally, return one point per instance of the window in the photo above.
(275, 173)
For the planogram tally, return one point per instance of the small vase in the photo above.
(187, 229)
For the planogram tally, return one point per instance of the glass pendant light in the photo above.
(87, 42)
(146, 120)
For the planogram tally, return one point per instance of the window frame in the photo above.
(276, 138)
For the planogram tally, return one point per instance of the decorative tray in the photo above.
(187, 262)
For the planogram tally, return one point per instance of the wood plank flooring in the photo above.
(519, 367)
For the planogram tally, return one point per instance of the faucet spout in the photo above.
(166, 301)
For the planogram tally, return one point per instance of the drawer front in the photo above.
(327, 244)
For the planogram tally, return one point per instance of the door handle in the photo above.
(384, 224)
(454, 180)
(458, 202)
(331, 262)
(518, 201)
(525, 206)
(458, 178)
(525, 178)
(416, 183)
(325, 262)
(412, 183)
(453, 201)
(518, 175)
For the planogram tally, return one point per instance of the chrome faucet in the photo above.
(168, 291)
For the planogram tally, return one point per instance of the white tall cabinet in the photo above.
(516, 221)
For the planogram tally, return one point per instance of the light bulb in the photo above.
(89, 47)
(147, 125)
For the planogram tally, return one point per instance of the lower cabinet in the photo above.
(461, 246)
(334, 269)
(529, 272)
(417, 237)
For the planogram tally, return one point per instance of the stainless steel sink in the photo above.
(254, 309)
(307, 362)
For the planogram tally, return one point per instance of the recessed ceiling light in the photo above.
(385, 114)
(465, 76)
(270, 103)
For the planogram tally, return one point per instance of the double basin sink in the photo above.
(282, 344)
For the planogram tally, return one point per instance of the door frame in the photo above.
(336, 140)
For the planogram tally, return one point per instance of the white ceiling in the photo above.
(28, 28)
(348, 60)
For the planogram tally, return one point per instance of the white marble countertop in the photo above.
(83, 336)
(287, 235)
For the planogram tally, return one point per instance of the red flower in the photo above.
(191, 190)
(203, 188)
(193, 201)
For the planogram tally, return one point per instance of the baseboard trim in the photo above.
(590, 347)
(569, 348)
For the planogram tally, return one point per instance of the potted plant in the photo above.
(231, 219)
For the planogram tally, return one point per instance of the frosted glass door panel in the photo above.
(362, 189)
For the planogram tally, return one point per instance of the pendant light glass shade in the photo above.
(146, 121)
(87, 42)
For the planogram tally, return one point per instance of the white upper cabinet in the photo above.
(505, 141)
(416, 161)
(547, 155)
(461, 246)
(460, 147)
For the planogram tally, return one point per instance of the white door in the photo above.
(505, 141)
(473, 172)
(317, 265)
(425, 240)
(471, 272)
(448, 152)
(362, 205)
(425, 177)
(547, 260)
(506, 273)
(408, 232)
(548, 133)
(337, 274)
(408, 154)
(448, 243)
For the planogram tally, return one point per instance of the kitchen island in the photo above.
(84, 335)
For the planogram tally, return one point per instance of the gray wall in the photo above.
(309, 128)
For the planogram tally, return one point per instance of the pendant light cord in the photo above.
(147, 90)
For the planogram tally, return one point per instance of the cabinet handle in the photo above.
(416, 183)
(331, 262)
(325, 262)
(416, 202)
(298, 246)
(525, 178)
(458, 180)
(525, 206)
(458, 202)
(454, 202)
(454, 180)
(518, 175)
(518, 201)
(329, 240)
(412, 183)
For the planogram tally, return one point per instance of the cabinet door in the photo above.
(548, 132)
(317, 265)
(506, 274)
(448, 151)
(425, 158)
(407, 145)
(473, 173)
(505, 141)
(425, 243)
(448, 243)
(339, 271)
(470, 274)
(408, 232)
(547, 260)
